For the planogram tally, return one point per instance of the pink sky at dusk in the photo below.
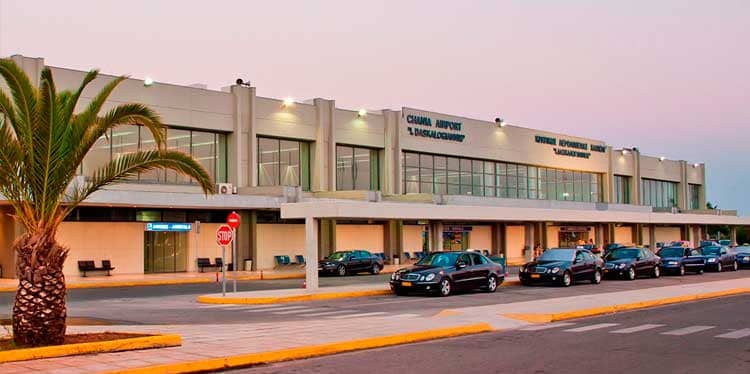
(670, 77)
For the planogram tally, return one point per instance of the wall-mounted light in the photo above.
(695, 165)
(662, 158)
(625, 152)
(500, 122)
(287, 102)
(361, 113)
(566, 194)
(241, 82)
(148, 82)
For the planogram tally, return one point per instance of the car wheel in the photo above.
(566, 280)
(597, 277)
(682, 270)
(718, 267)
(656, 272)
(700, 272)
(525, 282)
(375, 269)
(735, 266)
(491, 284)
(445, 287)
(631, 274)
(399, 291)
(341, 270)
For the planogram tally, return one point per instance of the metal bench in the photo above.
(89, 266)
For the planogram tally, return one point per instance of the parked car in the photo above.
(742, 255)
(707, 243)
(563, 266)
(444, 272)
(725, 242)
(350, 262)
(611, 247)
(719, 257)
(631, 262)
(679, 260)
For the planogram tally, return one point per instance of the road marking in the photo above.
(547, 326)
(735, 334)
(274, 309)
(300, 311)
(640, 328)
(592, 327)
(358, 315)
(687, 330)
(327, 313)
(249, 307)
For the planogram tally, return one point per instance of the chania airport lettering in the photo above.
(564, 144)
(435, 134)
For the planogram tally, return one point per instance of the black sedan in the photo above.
(742, 255)
(350, 262)
(631, 262)
(562, 266)
(718, 258)
(679, 260)
(444, 272)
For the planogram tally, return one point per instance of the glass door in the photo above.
(165, 252)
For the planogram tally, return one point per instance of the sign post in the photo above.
(233, 220)
(224, 236)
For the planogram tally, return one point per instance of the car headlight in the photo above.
(430, 277)
(522, 269)
(622, 266)
(711, 260)
(393, 276)
(555, 270)
(672, 262)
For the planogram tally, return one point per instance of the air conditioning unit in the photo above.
(224, 188)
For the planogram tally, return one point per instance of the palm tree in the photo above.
(44, 140)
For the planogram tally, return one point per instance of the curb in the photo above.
(128, 344)
(251, 359)
(554, 317)
(290, 299)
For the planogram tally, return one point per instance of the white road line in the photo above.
(358, 315)
(687, 330)
(547, 326)
(274, 309)
(252, 307)
(640, 328)
(327, 313)
(592, 327)
(300, 311)
(735, 334)
(405, 315)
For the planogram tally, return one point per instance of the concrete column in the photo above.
(311, 253)
(610, 233)
(247, 239)
(436, 236)
(682, 187)
(635, 182)
(391, 170)
(323, 158)
(394, 235)
(242, 143)
(733, 235)
(652, 237)
(529, 241)
(497, 238)
(599, 235)
(545, 239)
(685, 232)
(608, 180)
(326, 237)
(637, 234)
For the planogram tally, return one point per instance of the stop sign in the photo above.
(233, 220)
(224, 235)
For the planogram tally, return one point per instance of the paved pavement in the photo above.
(213, 337)
(703, 337)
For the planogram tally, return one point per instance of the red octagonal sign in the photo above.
(224, 235)
(233, 220)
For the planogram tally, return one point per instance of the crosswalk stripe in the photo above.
(358, 315)
(274, 309)
(687, 330)
(640, 328)
(547, 326)
(327, 313)
(252, 307)
(592, 327)
(300, 311)
(735, 334)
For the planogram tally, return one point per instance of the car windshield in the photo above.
(742, 249)
(619, 254)
(671, 252)
(558, 255)
(711, 251)
(439, 259)
(338, 256)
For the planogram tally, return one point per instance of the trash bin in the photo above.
(396, 260)
(248, 265)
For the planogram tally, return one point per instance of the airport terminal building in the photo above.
(309, 178)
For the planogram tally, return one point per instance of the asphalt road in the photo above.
(710, 336)
(175, 305)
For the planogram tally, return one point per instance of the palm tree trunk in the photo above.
(39, 311)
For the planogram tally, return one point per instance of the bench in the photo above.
(205, 262)
(89, 266)
(300, 259)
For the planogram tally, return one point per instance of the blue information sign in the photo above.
(168, 226)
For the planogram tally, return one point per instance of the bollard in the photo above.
(261, 275)
(217, 277)
(304, 284)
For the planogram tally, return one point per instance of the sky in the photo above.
(670, 77)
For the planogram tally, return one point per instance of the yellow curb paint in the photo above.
(307, 351)
(290, 299)
(448, 313)
(128, 344)
(511, 282)
(553, 317)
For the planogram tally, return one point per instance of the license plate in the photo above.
(406, 284)
(536, 276)
(320, 269)
(606, 271)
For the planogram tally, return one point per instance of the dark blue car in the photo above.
(718, 258)
(679, 260)
(742, 255)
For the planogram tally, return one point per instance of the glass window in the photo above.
(501, 169)
(280, 163)
(124, 141)
(98, 156)
(411, 180)
(203, 147)
(177, 140)
(289, 162)
(344, 168)
(694, 196)
(466, 188)
(268, 162)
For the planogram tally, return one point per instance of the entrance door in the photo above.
(572, 239)
(455, 240)
(164, 252)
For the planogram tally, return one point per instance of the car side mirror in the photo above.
(460, 264)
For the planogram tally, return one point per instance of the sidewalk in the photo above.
(221, 340)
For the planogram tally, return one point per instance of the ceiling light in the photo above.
(662, 158)
(148, 81)
(362, 113)
(288, 102)
(625, 152)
